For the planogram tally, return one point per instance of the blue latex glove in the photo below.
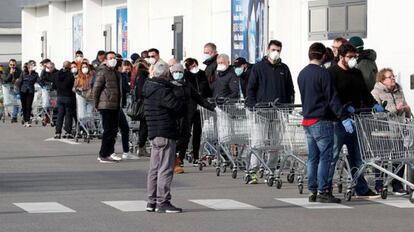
(18, 96)
(350, 109)
(347, 123)
(378, 108)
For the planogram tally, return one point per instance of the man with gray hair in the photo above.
(162, 109)
(226, 84)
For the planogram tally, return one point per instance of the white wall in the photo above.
(10, 47)
(109, 17)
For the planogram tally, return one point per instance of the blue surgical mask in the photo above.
(178, 76)
(239, 71)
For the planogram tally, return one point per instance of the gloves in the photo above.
(378, 108)
(347, 123)
(350, 109)
(17, 96)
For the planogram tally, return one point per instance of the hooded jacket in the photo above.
(107, 89)
(161, 108)
(382, 94)
(64, 82)
(368, 67)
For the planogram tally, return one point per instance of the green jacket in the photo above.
(368, 67)
(106, 90)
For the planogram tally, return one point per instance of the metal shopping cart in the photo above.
(209, 137)
(10, 100)
(384, 140)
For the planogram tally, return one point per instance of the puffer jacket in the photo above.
(368, 67)
(226, 84)
(382, 94)
(107, 89)
(161, 108)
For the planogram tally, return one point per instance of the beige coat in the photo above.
(393, 98)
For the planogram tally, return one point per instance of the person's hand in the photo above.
(12, 71)
(402, 107)
(350, 109)
(347, 123)
(378, 108)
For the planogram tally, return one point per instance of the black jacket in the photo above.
(199, 82)
(318, 94)
(211, 67)
(268, 82)
(47, 79)
(244, 80)
(125, 88)
(64, 83)
(12, 78)
(161, 109)
(351, 87)
(142, 77)
(25, 83)
(226, 84)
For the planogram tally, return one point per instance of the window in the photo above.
(329, 19)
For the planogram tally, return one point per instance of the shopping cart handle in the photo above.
(264, 105)
(221, 100)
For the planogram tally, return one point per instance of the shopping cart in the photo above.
(265, 133)
(294, 155)
(85, 124)
(44, 102)
(384, 140)
(209, 137)
(10, 100)
(232, 132)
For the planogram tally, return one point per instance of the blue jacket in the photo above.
(268, 82)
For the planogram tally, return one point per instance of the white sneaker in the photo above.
(115, 157)
(126, 156)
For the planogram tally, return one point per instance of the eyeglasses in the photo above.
(392, 77)
(350, 57)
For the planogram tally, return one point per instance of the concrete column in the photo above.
(138, 25)
(57, 45)
(30, 39)
(93, 38)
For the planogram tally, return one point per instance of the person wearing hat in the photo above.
(191, 98)
(242, 69)
(366, 62)
(134, 58)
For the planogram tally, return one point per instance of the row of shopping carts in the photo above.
(234, 136)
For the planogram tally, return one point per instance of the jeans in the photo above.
(123, 126)
(66, 111)
(341, 138)
(110, 120)
(320, 139)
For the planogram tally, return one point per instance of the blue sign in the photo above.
(122, 31)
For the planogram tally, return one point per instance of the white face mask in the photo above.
(85, 70)
(194, 70)
(152, 60)
(112, 63)
(327, 65)
(206, 56)
(33, 68)
(352, 63)
(221, 67)
(178, 76)
(47, 70)
(275, 55)
(74, 70)
(147, 60)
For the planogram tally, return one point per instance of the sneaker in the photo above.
(126, 156)
(69, 136)
(168, 208)
(195, 163)
(253, 179)
(57, 136)
(312, 197)
(326, 197)
(142, 152)
(29, 125)
(115, 157)
(151, 207)
(178, 169)
(107, 160)
(369, 194)
(400, 192)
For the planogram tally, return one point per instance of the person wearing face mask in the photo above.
(108, 97)
(191, 98)
(25, 87)
(210, 60)
(270, 79)
(100, 57)
(74, 68)
(329, 58)
(78, 58)
(84, 98)
(154, 60)
(226, 84)
(198, 80)
(366, 62)
(66, 101)
(242, 69)
(353, 93)
(10, 77)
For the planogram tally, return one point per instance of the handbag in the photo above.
(135, 110)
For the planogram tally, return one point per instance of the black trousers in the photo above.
(27, 100)
(66, 111)
(182, 143)
(143, 133)
(110, 121)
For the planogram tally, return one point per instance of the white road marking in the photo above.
(223, 204)
(304, 202)
(44, 207)
(127, 206)
(68, 141)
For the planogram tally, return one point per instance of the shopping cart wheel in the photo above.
(218, 171)
(279, 184)
(76, 139)
(348, 195)
(411, 196)
(224, 168)
(340, 187)
(52, 124)
(200, 165)
(290, 177)
(44, 123)
(247, 178)
(384, 193)
(270, 181)
(234, 174)
(209, 161)
(88, 140)
(190, 158)
(261, 173)
(300, 187)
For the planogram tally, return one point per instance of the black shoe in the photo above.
(70, 136)
(168, 208)
(312, 197)
(14, 120)
(58, 136)
(326, 197)
(151, 207)
(369, 194)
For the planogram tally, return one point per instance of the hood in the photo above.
(279, 62)
(382, 88)
(368, 54)
(153, 85)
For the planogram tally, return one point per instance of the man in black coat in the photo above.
(10, 77)
(210, 60)
(226, 84)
